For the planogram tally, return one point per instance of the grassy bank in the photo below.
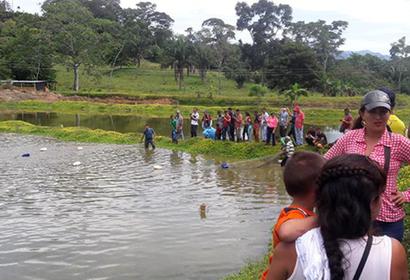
(216, 149)
(314, 116)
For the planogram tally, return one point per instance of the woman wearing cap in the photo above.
(370, 137)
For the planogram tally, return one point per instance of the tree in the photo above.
(76, 43)
(235, 68)
(324, 39)
(264, 20)
(266, 23)
(217, 34)
(361, 72)
(289, 63)
(294, 93)
(400, 65)
(104, 9)
(145, 31)
(25, 48)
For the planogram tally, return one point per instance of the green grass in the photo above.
(149, 81)
(217, 149)
(314, 116)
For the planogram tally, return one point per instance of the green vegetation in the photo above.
(314, 116)
(89, 35)
(216, 149)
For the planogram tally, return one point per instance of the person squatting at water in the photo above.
(348, 200)
(288, 149)
(370, 137)
(299, 175)
(148, 136)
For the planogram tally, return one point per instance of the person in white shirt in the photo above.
(343, 247)
(194, 122)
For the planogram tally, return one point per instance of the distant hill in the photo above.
(347, 54)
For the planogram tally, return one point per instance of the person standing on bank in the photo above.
(370, 137)
(194, 122)
(238, 125)
(283, 122)
(272, 124)
(299, 120)
(395, 124)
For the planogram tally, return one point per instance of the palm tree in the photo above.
(294, 92)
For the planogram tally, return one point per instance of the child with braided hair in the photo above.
(343, 247)
(299, 175)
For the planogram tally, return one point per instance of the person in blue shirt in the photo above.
(148, 135)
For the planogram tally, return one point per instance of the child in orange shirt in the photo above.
(299, 175)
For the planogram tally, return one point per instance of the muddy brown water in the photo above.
(117, 216)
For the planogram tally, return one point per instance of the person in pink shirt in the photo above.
(299, 120)
(371, 138)
(272, 123)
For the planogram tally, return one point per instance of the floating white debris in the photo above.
(79, 148)
(157, 167)
(77, 163)
(43, 149)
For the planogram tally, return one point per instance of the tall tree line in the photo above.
(84, 34)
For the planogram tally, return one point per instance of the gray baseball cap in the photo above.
(374, 99)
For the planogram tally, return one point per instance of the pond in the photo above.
(127, 213)
(117, 123)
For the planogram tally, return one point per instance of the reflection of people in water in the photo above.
(148, 156)
(202, 210)
(176, 158)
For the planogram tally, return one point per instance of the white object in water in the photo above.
(43, 149)
(157, 167)
(77, 163)
(79, 148)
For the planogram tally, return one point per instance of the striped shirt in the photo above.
(353, 142)
(289, 149)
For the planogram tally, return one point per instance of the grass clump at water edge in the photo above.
(224, 150)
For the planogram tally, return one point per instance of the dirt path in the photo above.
(17, 94)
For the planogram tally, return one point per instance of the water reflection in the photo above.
(117, 217)
(121, 124)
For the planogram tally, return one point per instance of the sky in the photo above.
(373, 24)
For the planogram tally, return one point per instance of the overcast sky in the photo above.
(373, 25)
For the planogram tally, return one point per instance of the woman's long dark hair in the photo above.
(348, 184)
(358, 122)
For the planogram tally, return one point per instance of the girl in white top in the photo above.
(348, 200)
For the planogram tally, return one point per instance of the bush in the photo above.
(257, 90)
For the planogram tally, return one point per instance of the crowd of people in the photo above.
(233, 125)
(346, 219)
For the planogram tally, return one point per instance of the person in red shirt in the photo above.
(299, 120)
(226, 123)
(347, 121)
(299, 175)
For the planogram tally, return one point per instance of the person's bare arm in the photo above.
(292, 229)
(398, 269)
(283, 262)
